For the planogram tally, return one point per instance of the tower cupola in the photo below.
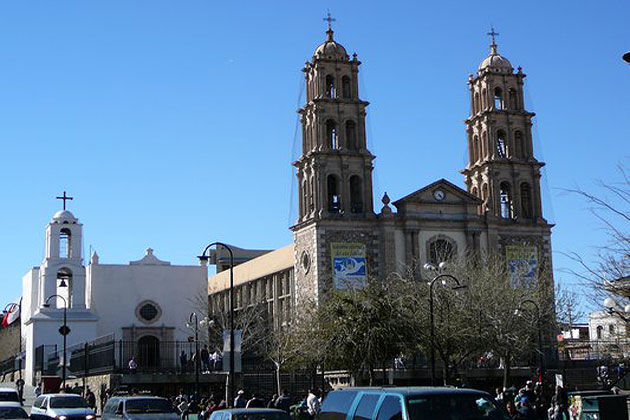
(495, 62)
(331, 50)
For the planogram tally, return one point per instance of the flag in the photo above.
(12, 315)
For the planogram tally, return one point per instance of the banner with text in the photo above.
(522, 262)
(349, 264)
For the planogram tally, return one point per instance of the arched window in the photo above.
(484, 145)
(311, 202)
(331, 135)
(65, 243)
(330, 86)
(506, 200)
(501, 144)
(356, 194)
(345, 87)
(498, 98)
(64, 287)
(351, 135)
(440, 250)
(512, 97)
(519, 144)
(611, 330)
(475, 148)
(484, 99)
(600, 330)
(526, 201)
(334, 204)
(474, 191)
(476, 103)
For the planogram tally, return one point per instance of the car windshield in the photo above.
(9, 396)
(453, 407)
(68, 402)
(12, 413)
(149, 405)
(261, 416)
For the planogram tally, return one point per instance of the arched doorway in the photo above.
(148, 352)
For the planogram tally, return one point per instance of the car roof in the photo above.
(10, 404)
(61, 395)
(139, 397)
(7, 389)
(414, 390)
(251, 410)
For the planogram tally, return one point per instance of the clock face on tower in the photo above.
(439, 195)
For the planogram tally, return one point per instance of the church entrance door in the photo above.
(148, 353)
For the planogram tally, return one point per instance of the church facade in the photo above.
(145, 303)
(340, 239)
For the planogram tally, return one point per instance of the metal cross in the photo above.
(64, 198)
(329, 19)
(492, 34)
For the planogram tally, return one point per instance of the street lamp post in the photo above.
(444, 278)
(539, 328)
(203, 260)
(64, 331)
(611, 305)
(193, 321)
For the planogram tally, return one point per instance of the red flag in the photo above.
(12, 315)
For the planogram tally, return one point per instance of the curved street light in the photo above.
(444, 279)
(193, 322)
(203, 260)
(539, 328)
(64, 331)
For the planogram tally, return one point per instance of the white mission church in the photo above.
(145, 301)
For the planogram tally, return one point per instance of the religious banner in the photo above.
(238, 341)
(348, 264)
(522, 263)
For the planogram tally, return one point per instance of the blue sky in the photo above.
(172, 122)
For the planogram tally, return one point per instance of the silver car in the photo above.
(139, 408)
(61, 407)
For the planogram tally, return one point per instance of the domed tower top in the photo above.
(330, 50)
(495, 62)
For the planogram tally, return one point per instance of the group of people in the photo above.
(532, 403)
(209, 361)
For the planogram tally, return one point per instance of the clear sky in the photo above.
(173, 123)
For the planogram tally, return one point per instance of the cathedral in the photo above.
(339, 239)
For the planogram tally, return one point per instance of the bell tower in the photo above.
(502, 169)
(335, 169)
(335, 240)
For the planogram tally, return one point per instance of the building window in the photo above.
(520, 145)
(334, 205)
(498, 98)
(351, 135)
(356, 194)
(306, 261)
(331, 134)
(501, 144)
(330, 86)
(526, 201)
(600, 330)
(475, 148)
(513, 104)
(148, 311)
(440, 250)
(65, 244)
(345, 87)
(611, 330)
(476, 103)
(505, 196)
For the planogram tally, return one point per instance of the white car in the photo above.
(61, 407)
(12, 410)
(9, 394)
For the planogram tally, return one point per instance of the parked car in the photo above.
(9, 394)
(12, 410)
(411, 403)
(61, 407)
(250, 414)
(139, 408)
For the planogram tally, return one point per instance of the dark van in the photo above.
(410, 403)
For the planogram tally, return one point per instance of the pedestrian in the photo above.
(560, 404)
(272, 401)
(133, 365)
(312, 403)
(240, 401)
(183, 360)
(511, 409)
(20, 389)
(90, 398)
(216, 360)
(183, 409)
(284, 401)
(255, 402)
(205, 359)
(38, 390)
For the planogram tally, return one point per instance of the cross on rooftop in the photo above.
(493, 34)
(64, 198)
(329, 19)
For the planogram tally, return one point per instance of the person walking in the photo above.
(133, 365)
(284, 401)
(312, 403)
(560, 405)
(183, 360)
(272, 401)
(90, 398)
(240, 401)
(205, 359)
(255, 402)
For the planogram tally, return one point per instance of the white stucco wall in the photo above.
(117, 290)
